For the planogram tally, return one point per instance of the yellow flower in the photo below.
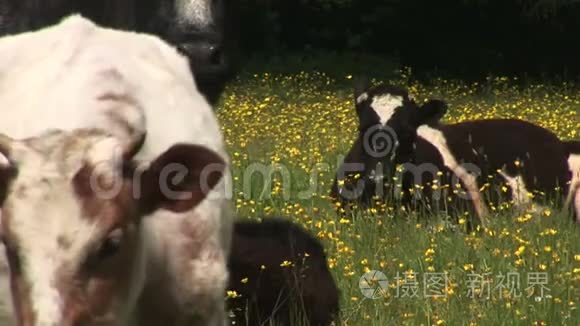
(468, 267)
(244, 280)
(520, 251)
(232, 294)
(542, 267)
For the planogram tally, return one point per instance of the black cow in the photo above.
(199, 28)
(204, 30)
(451, 163)
(271, 291)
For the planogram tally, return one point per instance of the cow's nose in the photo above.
(203, 54)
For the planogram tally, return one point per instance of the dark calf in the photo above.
(304, 290)
(470, 164)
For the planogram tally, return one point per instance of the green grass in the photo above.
(305, 121)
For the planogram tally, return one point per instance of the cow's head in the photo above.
(72, 204)
(389, 118)
(388, 121)
(199, 29)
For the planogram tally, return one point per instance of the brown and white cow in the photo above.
(85, 257)
(447, 166)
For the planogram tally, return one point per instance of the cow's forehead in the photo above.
(384, 100)
(52, 237)
(385, 105)
(49, 222)
(42, 197)
(194, 12)
(46, 213)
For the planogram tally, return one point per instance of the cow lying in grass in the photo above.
(302, 289)
(470, 164)
(119, 215)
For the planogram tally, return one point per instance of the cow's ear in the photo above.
(431, 112)
(180, 178)
(361, 84)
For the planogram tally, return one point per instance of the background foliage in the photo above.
(463, 38)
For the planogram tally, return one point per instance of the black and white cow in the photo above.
(199, 28)
(447, 164)
(271, 290)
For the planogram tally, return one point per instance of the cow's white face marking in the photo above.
(195, 12)
(385, 106)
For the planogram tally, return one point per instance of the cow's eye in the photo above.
(110, 246)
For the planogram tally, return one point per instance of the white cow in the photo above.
(70, 95)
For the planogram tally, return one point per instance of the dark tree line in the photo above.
(461, 37)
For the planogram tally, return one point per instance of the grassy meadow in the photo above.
(303, 123)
